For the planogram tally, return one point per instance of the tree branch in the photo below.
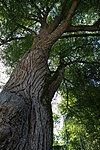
(65, 24)
(78, 60)
(94, 27)
(80, 35)
(58, 19)
(56, 80)
(9, 35)
(50, 6)
(41, 13)
(83, 28)
(54, 24)
(12, 39)
(27, 29)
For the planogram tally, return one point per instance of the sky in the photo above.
(60, 122)
(3, 76)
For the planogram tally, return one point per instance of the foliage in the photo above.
(80, 107)
(12, 53)
(80, 93)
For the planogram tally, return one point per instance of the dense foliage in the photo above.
(80, 92)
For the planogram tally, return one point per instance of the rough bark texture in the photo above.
(25, 102)
(24, 126)
(26, 120)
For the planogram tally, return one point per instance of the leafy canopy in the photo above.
(21, 20)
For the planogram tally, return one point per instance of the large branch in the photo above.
(54, 24)
(58, 19)
(94, 27)
(56, 80)
(65, 24)
(83, 28)
(79, 35)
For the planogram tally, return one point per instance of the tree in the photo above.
(25, 102)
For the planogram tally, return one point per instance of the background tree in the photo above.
(48, 42)
(80, 106)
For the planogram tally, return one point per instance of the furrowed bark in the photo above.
(25, 126)
(25, 102)
(26, 115)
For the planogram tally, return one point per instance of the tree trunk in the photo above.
(25, 126)
(25, 103)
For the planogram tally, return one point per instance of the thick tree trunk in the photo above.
(25, 103)
(25, 126)
(26, 115)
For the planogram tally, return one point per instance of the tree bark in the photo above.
(26, 118)
(25, 103)
(25, 126)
